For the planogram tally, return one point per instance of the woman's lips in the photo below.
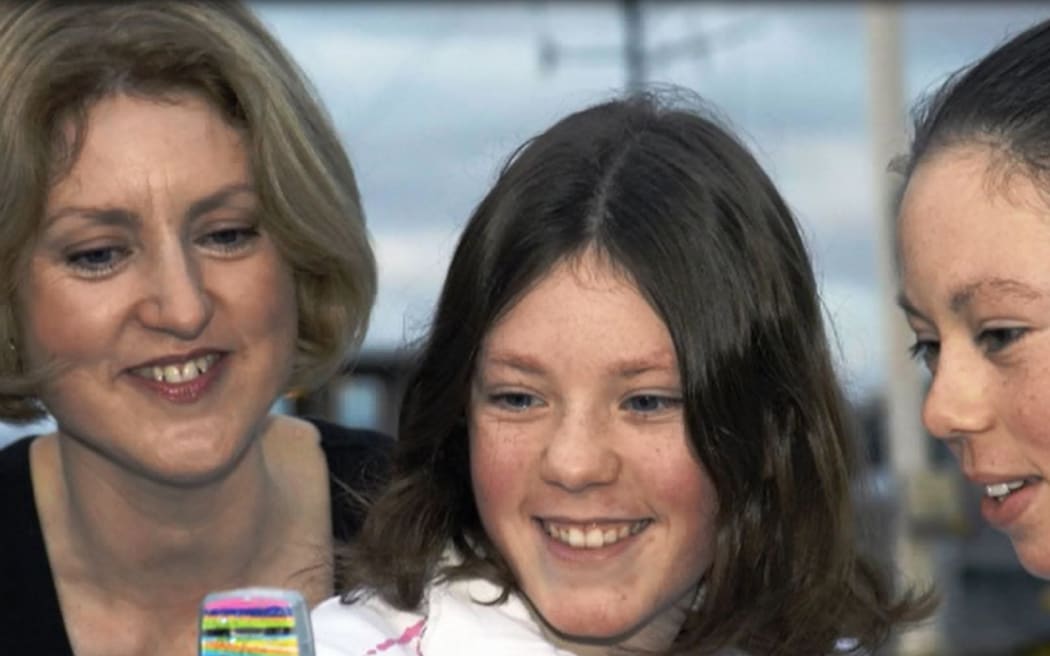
(181, 382)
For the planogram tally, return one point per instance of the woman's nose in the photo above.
(176, 299)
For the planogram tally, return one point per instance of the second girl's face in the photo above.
(975, 254)
(155, 289)
(582, 470)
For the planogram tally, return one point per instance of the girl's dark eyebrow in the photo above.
(906, 305)
(963, 297)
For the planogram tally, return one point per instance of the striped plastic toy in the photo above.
(255, 622)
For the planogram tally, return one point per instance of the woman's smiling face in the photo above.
(155, 290)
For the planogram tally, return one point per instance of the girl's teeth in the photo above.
(1000, 491)
(593, 537)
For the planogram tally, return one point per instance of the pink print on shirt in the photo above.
(413, 632)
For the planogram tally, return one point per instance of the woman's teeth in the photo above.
(178, 373)
(593, 536)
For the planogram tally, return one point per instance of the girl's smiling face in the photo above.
(583, 472)
(975, 261)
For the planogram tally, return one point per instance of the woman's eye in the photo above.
(97, 261)
(925, 351)
(650, 403)
(516, 401)
(994, 340)
(229, 240)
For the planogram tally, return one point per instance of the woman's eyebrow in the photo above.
(219, 199)
(122, 217)
(114, 216)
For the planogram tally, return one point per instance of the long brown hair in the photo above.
(675, 201)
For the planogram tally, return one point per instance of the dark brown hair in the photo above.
(682, 208)
(1001, 102)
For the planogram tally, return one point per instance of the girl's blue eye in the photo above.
(925, 351)
(996, 339)
(648, 403)
(517, 401)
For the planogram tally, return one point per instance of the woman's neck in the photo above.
(129, 536)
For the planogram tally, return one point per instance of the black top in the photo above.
(31, 621)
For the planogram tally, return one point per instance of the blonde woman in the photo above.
(181, 242)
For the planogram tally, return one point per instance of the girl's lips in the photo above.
(592, 535)
(1002, 514)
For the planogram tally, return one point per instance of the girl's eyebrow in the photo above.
(661, 360)
(962, 297)
(518, 361)
(908, 307)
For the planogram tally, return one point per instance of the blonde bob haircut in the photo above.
(57, 59)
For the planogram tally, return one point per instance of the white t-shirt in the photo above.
(455, 621)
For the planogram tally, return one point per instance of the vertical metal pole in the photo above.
(907, 445)
(634, 45)
(906, 440)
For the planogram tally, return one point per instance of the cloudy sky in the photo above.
(430, 98)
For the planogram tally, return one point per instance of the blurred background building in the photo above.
(431, 97)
